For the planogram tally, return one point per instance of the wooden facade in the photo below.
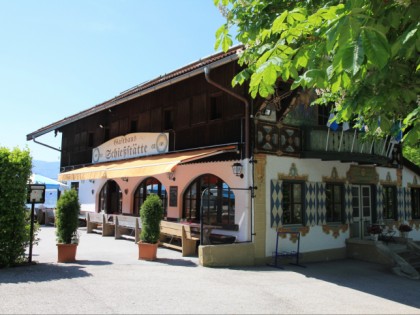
(195, 113)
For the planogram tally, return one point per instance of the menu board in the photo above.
(173, 196)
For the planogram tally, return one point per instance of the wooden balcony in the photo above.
(277, 139)
(347, 146)
(317, 142)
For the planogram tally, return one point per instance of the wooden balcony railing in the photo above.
(320, 140)
(277, 139)
(317, 142)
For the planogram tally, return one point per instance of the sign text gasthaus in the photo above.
(130, 146)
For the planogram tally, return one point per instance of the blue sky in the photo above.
(58, 58)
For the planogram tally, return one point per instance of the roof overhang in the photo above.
(181, 74)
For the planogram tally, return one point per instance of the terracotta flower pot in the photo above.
(66, 252)
(147, 251)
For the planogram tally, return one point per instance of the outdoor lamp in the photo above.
(171, 176)
(237, 169)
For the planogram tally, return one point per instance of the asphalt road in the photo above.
(108, 279)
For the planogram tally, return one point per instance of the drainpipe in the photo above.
(247, 130)
(239, 97)
(45, 145)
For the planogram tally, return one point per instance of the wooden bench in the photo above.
(40, 215)
(100, 223)
(222, 239)
(82, 218)
(174, 233)
(49, 216)
(127, 227)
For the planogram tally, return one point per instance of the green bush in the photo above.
(67, 217)
(15, 170)
(151, 213)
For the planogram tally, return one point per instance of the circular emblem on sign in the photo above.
(95, 155)
(162, 143)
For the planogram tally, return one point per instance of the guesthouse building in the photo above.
(262, 172)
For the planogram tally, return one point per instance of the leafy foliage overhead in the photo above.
(362, 55)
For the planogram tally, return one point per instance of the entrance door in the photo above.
(110, 198)
(362, 211)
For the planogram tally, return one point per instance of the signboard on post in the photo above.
(36, 194)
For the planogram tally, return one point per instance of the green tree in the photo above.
(362, 55)
(15, 170)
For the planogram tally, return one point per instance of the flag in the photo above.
(378, 129)
(397, 132)
(399, 135)
(364, 128)
(331, 123)
(346, 126)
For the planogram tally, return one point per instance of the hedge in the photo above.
(15, 170)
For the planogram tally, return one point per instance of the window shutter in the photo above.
(407, 202)
(276, 203)
(310, 204)
(380, 202)
(348, 209)
(321, 203)
(400, 204)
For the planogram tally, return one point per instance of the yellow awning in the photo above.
(144, 166)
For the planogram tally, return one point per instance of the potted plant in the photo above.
(151, 213)
(374, 230)
(67, 222)
(404, 228)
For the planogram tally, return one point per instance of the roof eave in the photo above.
(148, 87)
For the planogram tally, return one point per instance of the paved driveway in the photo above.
(108, 278)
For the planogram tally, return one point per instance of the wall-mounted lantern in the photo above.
(237, 169)
(171, 176)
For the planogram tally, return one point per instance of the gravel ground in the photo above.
(108, 279)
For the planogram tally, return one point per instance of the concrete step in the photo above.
(398, 248)
(411, 256)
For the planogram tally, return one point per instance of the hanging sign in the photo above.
(130, 146)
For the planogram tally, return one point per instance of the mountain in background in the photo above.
(47, 169)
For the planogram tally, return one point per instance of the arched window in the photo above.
(146, 187)
(110, 198)
(216, 197)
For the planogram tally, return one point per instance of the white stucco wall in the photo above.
(316, 239)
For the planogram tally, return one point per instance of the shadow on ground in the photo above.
(93, 262)
(370, 278)
(176, 262)
(46, 272)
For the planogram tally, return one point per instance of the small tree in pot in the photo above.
(67, 222)
(151, 213)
